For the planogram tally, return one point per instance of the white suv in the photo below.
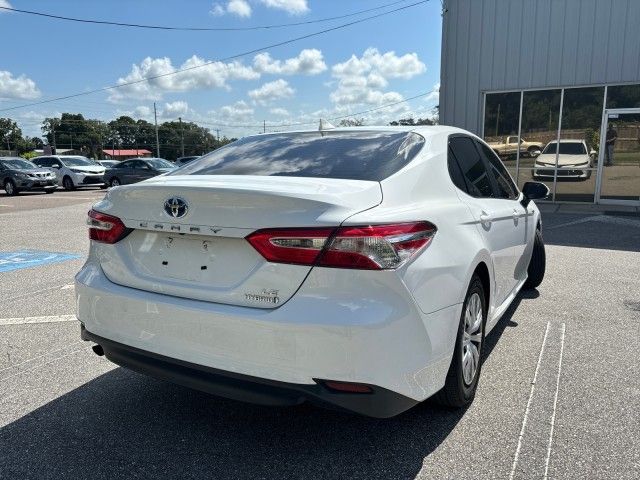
(73, 171)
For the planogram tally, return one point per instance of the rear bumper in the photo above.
(368, 331)
(380, 403)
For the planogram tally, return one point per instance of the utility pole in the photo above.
(264, 126)
(155, 116)
(181, 136)
(218, 134)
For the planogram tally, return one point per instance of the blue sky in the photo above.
(357, 68)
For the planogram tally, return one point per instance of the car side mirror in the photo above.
(593, 153)
(55, 166)
(533, 191)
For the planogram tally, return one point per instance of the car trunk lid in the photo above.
(203, 254)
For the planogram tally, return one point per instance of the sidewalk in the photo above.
(588, 208)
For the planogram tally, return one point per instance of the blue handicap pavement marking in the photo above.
(31, 258)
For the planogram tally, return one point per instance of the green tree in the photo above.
(10, 134)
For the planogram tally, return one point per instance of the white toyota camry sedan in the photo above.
(354, 267)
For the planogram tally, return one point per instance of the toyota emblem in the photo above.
(176, 207)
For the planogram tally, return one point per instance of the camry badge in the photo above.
(176, 207)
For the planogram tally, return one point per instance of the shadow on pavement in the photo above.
(124, 425)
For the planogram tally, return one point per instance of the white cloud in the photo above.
(175, 109)
(308, 62)
(280, 112)
(5, 3)
(17, 87)
(362, 80)
(271, 91)
(294, 7)
(241, 8)
(434, 94)
(388, 65)
(142, 111)
(237, 112)
(199, 74)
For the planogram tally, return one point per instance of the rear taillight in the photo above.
(374, 247)
(106, 228)
(293, 245)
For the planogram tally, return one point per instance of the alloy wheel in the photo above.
(8, 188)
(472, 339)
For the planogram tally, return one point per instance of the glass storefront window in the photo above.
(501, 121)
(532, 149)
(579, 144)
(623, 96)
(540, 117)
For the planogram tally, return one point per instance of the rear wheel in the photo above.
(51, 190)
(10, 187)
(115, 182)
(462, 378)
(537, 264)
(67, 183)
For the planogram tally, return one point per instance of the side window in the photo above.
(42, 162)
(472, 167)
(139, 164)
(125, 165)
(506, 187)
(454, 171)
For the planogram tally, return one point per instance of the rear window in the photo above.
(347, 155)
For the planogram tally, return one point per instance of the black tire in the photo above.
(67, 183)
(103, 187)
(537, 264)
(457, 392)
(115, 182)
(50, 191)
(10, 188)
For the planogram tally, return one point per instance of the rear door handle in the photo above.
(485, 218)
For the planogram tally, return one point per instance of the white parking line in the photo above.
(44, 319)
(526, 412)
(555, 403)
(28, 294)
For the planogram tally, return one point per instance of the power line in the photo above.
(199, 29)
(232, 57)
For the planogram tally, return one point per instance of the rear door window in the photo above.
(506, 187)
(363, 155)
(472, 166)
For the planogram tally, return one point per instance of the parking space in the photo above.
(558, 394)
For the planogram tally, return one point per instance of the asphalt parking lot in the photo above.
(558, 396)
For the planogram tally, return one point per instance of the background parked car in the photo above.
(184, 160)
(73, 171)
(509, 147)
(573, 157)
(108, 163)
(18, 174)
(137, 169)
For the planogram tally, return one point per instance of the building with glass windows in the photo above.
(553, 86)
